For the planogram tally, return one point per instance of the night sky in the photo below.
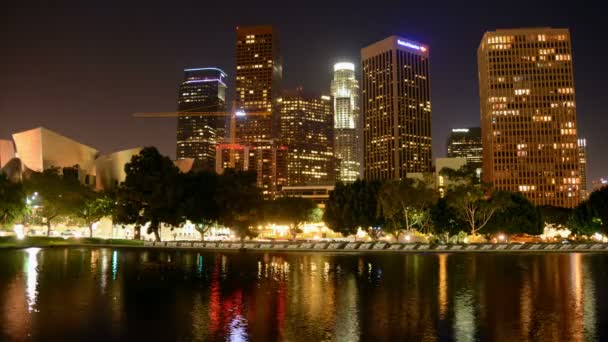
(82, 69)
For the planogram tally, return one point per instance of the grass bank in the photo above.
(43, 241)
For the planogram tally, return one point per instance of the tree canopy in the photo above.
(240, 201)
(293, 211)
(151, 189)
(59, 194)
(12, 201)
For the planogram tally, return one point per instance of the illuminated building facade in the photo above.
(306, 125)
(7, 152)
(347, 140)
(203, 90)
(269, 161)
(40, 149)
(396, 107)
(316, 193)
(582, 160)
(528, 114)
(258, 79)
(110, 168)
(466, 143)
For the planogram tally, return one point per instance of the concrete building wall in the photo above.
(7, 152)
(41, 149)
(110, 168)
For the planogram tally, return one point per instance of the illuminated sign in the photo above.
(411, 46)
(462, 130)
(325, 97)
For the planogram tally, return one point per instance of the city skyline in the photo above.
(62, 111)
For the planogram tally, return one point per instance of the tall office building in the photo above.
(347, 140)
(306, 129)
(258, 78)
(203, 90)
(466, 143)
(528, 114)
(582, 160)
(396, 106)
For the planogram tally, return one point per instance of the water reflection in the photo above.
(443, 285)
(31, 277)
(134, 295)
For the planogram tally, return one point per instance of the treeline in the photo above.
(154, 194)
(398, 207)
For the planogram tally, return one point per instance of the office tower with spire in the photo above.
(347, 138)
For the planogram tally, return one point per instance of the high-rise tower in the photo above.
(347, 140)
(258, 78)
(307, 128)
(203, 90)
(528, 114)
(466, 143)
(396, 106)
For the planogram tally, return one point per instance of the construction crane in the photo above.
(234, 114)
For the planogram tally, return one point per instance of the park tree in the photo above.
(292, 211)
(59, 194)
(584, 220)
(474, 206)
(466, 174)
(352, 206)
(127, 212)
(198, 203)
(338, 215)
(517, 215)
(151, 189)
(555, 215)
(598, 204)
(96, 205)
(240, 202)
(366, 207)
(445, 218)
(12, 201)
(591, 215)
(404, 205)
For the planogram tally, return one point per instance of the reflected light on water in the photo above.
(31, 277)
(464, 316)
(443, 285)
(103, 279)
(114, 264)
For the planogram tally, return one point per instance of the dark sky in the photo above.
(82, 68)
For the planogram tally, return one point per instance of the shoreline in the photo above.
(339, 247)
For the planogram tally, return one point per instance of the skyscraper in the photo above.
(347, 142)
(466, 143)
(307, 127)
(258, 78)
(582, 159)
(203, 90)
(396, 106)
(528, 114)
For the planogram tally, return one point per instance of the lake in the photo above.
(61, 294)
